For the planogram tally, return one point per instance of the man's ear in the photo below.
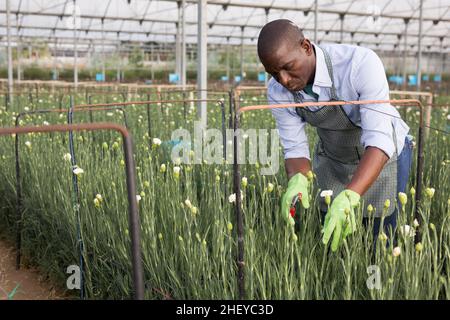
(307, 46)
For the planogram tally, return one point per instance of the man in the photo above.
(363, 151)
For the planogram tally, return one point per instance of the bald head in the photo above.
(286, 54)
(277, 34)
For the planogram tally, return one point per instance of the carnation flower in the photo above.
(397, 251)
(77, 170)
(407, 231)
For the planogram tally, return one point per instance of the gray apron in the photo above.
(339, 150)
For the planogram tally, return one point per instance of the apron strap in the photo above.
(334, 96)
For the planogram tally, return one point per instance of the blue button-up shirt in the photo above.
(358, 75)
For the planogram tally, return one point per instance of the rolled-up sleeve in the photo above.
(370, 82)
(291, 127)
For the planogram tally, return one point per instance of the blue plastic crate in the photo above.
(262, 76)
(174, 77)
(99, 77)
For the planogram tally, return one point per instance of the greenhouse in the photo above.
(224, 150)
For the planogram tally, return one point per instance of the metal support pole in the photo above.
(103, 52)
(316, 15)
(443, 60)
(19, 50)
(75, 49)
(119, 62)
(405, 50)
(238, 211)
(178, 42)
(341, 17)
(242, 54)
(419, 53)
(10, 63)
(152, 68)
(183, 44)
(54, 59)
(228, 59)
(202, 60)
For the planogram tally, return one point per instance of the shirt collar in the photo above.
(321, 77)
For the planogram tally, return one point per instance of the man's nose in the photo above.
(284, 77)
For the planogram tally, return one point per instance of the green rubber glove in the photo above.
(340, 218)
(297, 184)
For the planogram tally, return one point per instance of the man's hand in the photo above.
(340, 218)
(297, 184)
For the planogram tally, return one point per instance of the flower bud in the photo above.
(176, 172)
(419, 247)
(383, 236)
(429, 192)
(403, 198)
(327, 199)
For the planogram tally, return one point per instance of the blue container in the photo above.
(412, 80)
(262, 77)
(426, 77)
(437, 78)
(396, 79)
(224, 78)
(237, 79)
(99, 77)
(174, 77)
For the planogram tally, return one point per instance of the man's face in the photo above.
(292, 65)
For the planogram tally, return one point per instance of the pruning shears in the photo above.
(294, 201)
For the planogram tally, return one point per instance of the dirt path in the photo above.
(31, 286)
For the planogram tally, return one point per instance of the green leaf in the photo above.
(12, 293)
